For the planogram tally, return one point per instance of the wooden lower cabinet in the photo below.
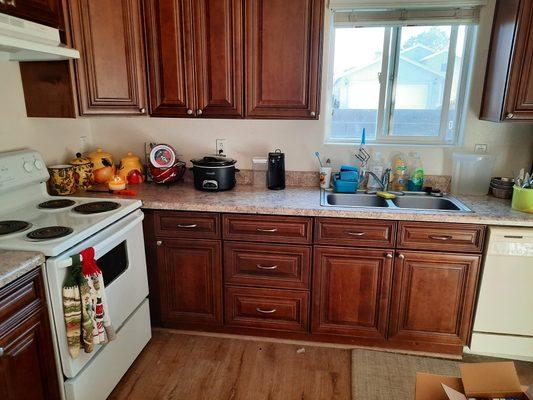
(27, 364)
(282, 310)
(351, 289)
(433, 297)
(270, 276)
(190, 282)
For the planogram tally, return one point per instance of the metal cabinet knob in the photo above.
(142, 110)
(388, 255)
(401, 256)
(159, 242)
(190, 112)
(199, 112)
(1, 348)
(313, 114)
(509, 116)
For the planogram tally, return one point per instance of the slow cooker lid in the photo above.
(213, 161)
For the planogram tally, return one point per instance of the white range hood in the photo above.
(22, 40)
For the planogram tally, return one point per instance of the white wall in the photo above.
(58, 139)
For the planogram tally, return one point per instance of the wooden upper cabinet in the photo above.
(110, 72)
(170, 60)
(433, 297)
(195, 57)
(351, 290)
(45, 12)
(283, 55)
(218, 50)
(508, 92)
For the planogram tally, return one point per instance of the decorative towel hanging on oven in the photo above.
(85, 306)
(102, 329)
(72, 306)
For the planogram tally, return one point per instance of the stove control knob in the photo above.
(27, 167)
(38, 164)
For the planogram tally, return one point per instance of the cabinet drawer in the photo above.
(262, 228)
(187, 224)
(20, 294)
(355, 232)
(267, 265)
(285, 310)
(437, 236)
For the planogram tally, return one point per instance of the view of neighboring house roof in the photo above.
(416, 55)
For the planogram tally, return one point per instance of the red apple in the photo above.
(134, 177)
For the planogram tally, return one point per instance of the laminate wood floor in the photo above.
(180, 366)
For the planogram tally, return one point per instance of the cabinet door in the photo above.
(351, 290)
(520, 97)
(41, 11)
(27, 368)
(110, 72)
(218, 49)
(433, 297)
(190, 282)
(170, 58)
(283, 54)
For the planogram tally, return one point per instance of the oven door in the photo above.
(119, 252)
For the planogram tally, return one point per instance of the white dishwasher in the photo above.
(503, 324)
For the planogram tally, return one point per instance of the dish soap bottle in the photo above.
(376, 166)
(416, 178)
(400, 173)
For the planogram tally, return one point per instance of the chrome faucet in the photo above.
(384, 180)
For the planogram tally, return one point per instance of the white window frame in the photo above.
(388, 85)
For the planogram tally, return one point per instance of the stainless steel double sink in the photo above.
(404, 201)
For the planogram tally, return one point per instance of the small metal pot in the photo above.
(214, 173)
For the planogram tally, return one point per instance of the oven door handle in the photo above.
(111, 241)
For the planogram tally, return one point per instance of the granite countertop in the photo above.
(14, 264)
(306, 202)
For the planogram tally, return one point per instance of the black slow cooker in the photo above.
(214, 173)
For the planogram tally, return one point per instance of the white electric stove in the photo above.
(61, 227)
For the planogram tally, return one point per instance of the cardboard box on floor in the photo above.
(482, 380)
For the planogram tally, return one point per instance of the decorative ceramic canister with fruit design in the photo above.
(62, 180)
(131, 169)
(83, 168)
(103, 166)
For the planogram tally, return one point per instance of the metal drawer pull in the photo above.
(1, 351)
(188, 226)
(437, 237)
(513, 237)
(272, 311)
(267, 267)
(356, 233)
(267, 230)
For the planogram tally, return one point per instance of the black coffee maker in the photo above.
(276, 170)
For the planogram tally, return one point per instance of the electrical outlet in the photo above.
(480, 148)
(221, 146)
(83, 143)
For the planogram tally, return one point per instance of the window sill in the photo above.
(391, 144)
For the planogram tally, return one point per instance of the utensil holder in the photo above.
(522, 199)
